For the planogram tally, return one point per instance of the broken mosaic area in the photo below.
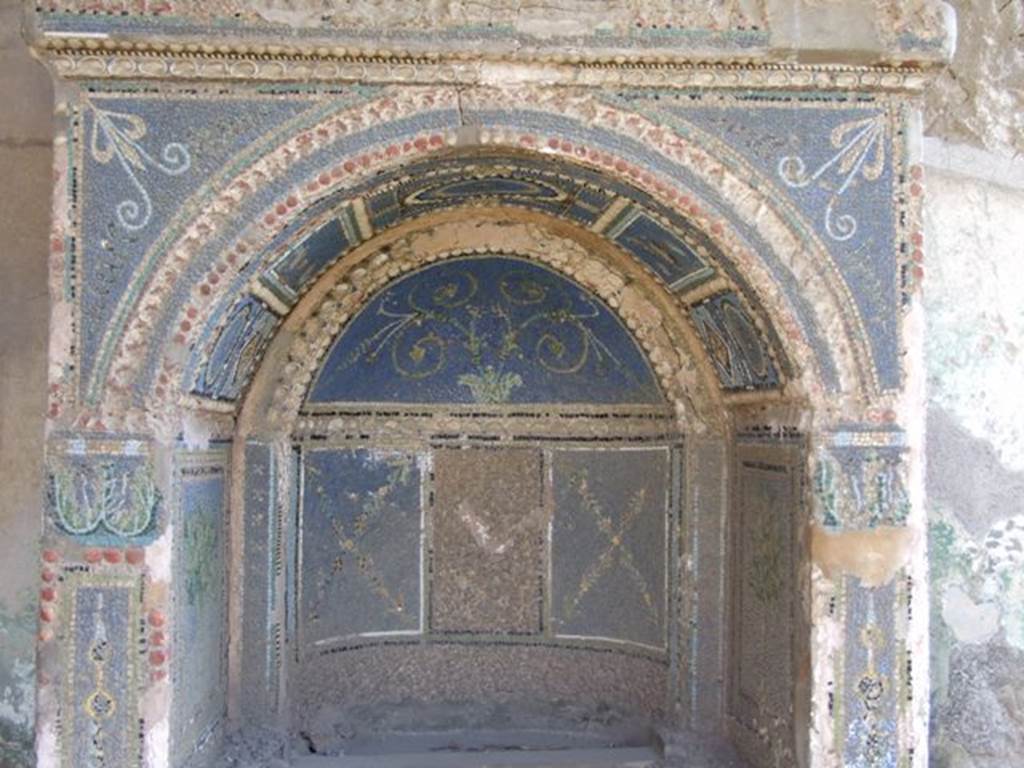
(487, 541)
(18, 621)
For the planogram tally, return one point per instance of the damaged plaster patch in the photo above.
(875, 556)
(971, 622)
(979, 99)
(17, 682)
(973, 301)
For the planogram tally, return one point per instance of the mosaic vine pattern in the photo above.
(485, 330)
(103, 492)
(609, 544)
(360, 544)
(200, 671)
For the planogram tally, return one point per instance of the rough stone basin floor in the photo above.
(622, 757)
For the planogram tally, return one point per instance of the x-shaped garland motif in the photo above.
(616, 549)
(349, 544)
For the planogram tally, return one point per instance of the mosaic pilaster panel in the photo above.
(609, 544)
(100, 719)
(705, 545)
(199, 671)
(860, 487)
(261, 627)
(765, 601)
(103, 492)
(489, 521)
(360, 544)
(873, 676)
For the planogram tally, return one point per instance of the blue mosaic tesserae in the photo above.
(491, 329)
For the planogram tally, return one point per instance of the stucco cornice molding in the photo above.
(89, 58)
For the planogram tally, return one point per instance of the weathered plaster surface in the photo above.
(980, 99)
(24, 155)
(569, 27)
(975, 306)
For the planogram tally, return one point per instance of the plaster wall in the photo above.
(25, 161)
(974, 301)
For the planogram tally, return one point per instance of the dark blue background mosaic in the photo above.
(660, 239)
(837, 165)
(140, 163)
(485, 330)
(360, 543)
(237, 349)
(734, 346)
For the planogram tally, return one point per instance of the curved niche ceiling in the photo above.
(671, 249)
(490, 329)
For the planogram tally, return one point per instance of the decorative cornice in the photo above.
(86, 58)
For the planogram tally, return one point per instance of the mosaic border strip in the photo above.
(83, 57)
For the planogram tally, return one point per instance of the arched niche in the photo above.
(331, 427)
(514, 571)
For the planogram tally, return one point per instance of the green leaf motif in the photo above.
(490, 386)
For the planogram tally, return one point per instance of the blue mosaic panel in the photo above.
(733, 344)
(261, 629)
(200, 659)
(608, 544)
(236, 351)
(545, 185)
(837, 165)
(142, 158)
(104, 499)
(485, 330)
(661, 241)
(660, 248)
(100, 716)
(360, 550)
(293, 272)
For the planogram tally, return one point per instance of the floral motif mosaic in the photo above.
(862, 485)
(838, 166)
(609, 544)
(485, 330)
(104, 494)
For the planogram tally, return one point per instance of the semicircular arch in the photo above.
(653, 317)
(832, 353)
